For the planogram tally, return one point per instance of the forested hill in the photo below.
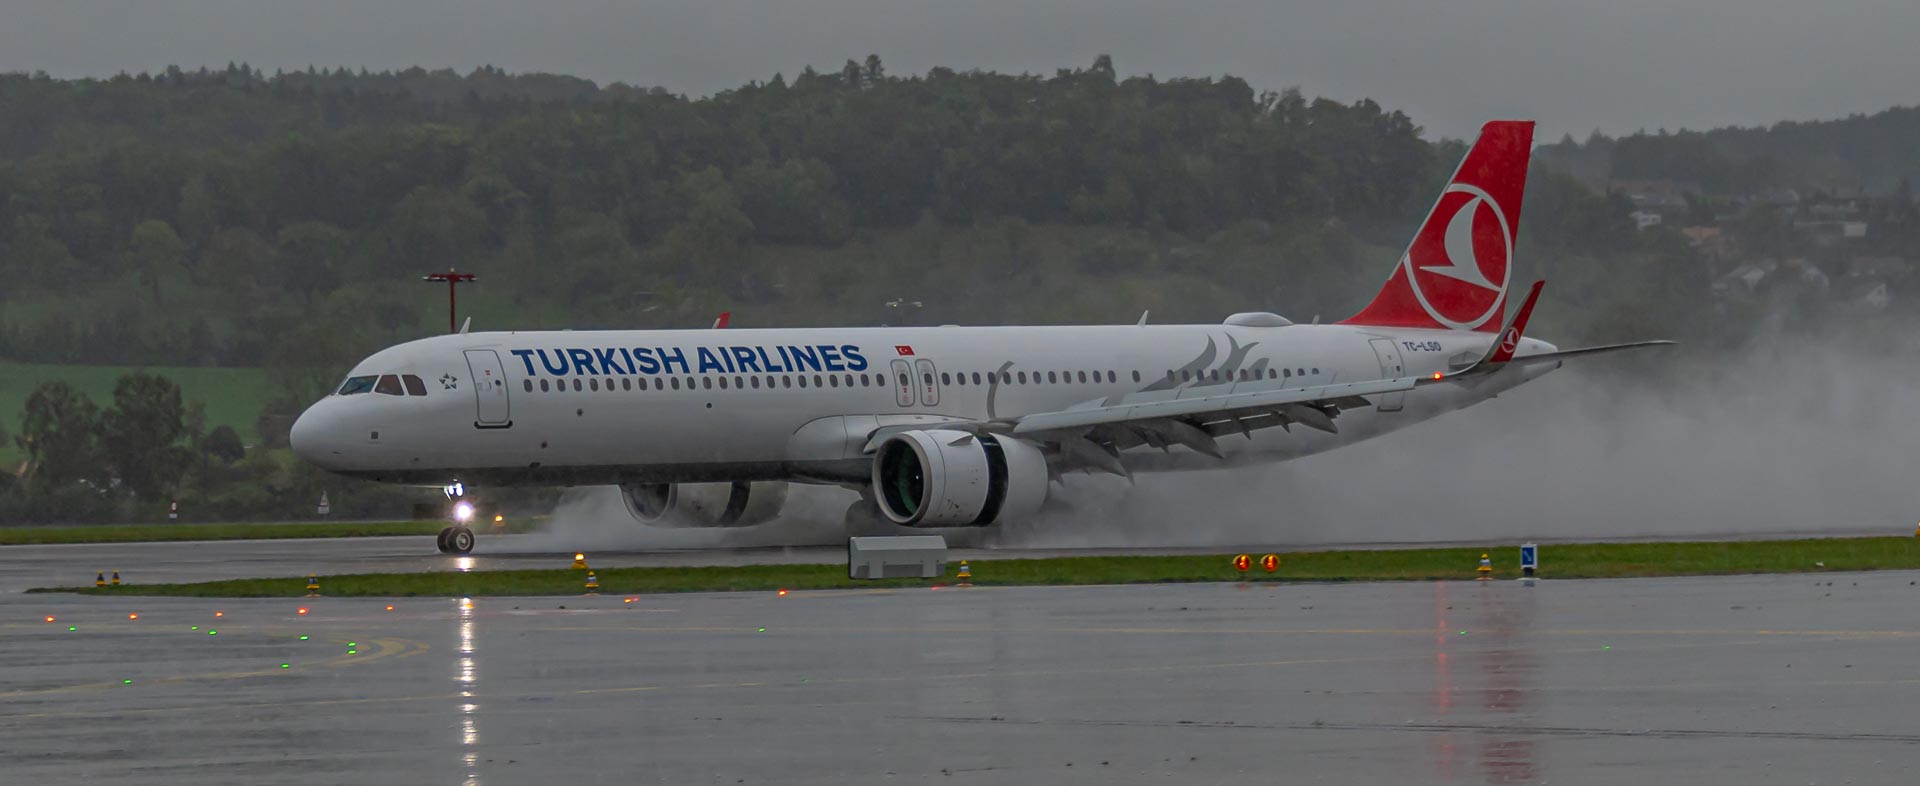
(1871, 153)
(238, 219)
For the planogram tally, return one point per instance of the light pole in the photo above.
(453, 280)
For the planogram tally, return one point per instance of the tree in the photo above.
(139, 435)
(59, 431)
(156, 254)
(223, 443)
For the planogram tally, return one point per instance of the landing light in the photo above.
(1436, 375)
(463, 512)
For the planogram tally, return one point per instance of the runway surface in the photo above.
(1777, 679)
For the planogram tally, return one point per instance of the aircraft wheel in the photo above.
(440, 542)
(460, 541)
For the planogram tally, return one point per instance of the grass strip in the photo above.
(1595, 560)
(143, 533)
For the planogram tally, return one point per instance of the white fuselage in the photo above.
(521, 408)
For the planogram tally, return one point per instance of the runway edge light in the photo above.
(579, 560)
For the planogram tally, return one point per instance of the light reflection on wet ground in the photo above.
(1746, 679)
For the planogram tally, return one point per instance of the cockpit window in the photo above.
(357, 385)
(414, 386)
(389, 384)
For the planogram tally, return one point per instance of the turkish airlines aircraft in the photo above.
(945, 426)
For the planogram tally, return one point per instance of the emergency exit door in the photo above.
(489, 381)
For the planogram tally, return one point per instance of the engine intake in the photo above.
(946, 478)
(687, 505)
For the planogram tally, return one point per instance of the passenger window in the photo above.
(626, 383)
(594, 384)
(818, 382)
(528, 384)
(390, 385)
(803, 380)
(770, 384)
(1023, 377)
(1289, 373)
(849, 379)
(357, 385)
(723, 383)
(1299, 372)
(1316, 372)
(786, 381)
(706, 382)
(414, 386)
(543, 386)
(1273, 374)
(1083, 377)
(1185, 376)
(643, 383)
(945, 378)
(577, 386)
(904, 381)
(866, 381)
(835, 381)
(1136, 375)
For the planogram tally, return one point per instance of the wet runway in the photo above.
(1780, 679)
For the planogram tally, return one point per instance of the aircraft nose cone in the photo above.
(310, 437)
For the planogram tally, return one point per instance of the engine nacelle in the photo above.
(677, 505)
(945, 478)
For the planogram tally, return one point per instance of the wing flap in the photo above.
(1221, 407)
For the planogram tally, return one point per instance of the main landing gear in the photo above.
(457, 539)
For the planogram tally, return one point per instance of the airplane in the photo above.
(946, 426)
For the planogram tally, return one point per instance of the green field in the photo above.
(233, 396)
(1600, 560)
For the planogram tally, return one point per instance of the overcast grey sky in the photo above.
(1574, 65)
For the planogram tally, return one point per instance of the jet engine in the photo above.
(686, 505)
(945, 478)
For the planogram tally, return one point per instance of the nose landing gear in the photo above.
(457, 539)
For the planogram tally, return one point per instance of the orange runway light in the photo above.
(134, 616)
(782, 592)
(49, 617)
(630, 600)
(1436, 375)
(219, 614)
(303, 610)
(389, 608)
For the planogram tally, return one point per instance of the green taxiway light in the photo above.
(353, 644)
(286, 665)
(303, 638)
(196, 627)
(211, 632)
(72, 628)
(126, 682)
(353, 652)
(763, 630)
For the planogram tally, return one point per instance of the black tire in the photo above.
(440, 542)
(460, 541)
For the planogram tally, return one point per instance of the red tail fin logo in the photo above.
(1455, 273)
